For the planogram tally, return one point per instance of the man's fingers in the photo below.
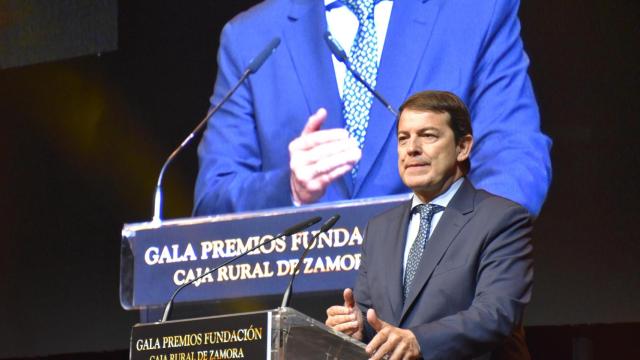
(320, 174)
(340, 319)
(327, 165)
(343, 319)
(400, 352)
(341, 170)
(315, 121)
(373, 320)
(391, 341)
(311, 140)
(347, 295)
(347, 148)
(381, 337)
(317, 158)
(338, 310)
(386, 348)
(376, 343)
(347, 328)
(321, 151)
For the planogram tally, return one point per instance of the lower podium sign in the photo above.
(283, 333)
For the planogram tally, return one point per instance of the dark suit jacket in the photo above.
(473, 281)
(469, 47)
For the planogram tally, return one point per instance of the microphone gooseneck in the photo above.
(341, 55)
(288, 232)
(286, 298)
(253, 66)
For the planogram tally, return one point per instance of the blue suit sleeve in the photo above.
(511, 155)
(232, 176)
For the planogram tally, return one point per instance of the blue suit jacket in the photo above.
(472, 283)
(471, 48)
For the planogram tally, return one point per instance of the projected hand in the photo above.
(346, 318)
(318, 157)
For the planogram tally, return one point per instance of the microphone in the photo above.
(257, 61)
(253, 66)
(288, 232)
(324, 228)
(299, 226)
(341, 55)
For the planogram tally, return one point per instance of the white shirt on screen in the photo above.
(343, 25)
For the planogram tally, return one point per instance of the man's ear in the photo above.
(463, 148)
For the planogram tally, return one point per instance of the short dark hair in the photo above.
(443, 102)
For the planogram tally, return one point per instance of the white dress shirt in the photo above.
(343, 25)
(414, 223)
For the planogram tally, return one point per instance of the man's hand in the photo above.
(390, 341)
(346, 318)
(318, 157)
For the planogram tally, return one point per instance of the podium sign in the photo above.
(283, 333)
(157, 258)
(245, 336)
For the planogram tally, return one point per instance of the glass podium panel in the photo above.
(283, 333)
(299, 336)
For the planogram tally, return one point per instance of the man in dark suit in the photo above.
(448, 274)
(265, 149)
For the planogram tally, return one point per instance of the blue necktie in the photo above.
(363, 57)
(415, 253)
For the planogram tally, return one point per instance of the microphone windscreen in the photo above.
(301, 226)
(257, 61)
(329, 223)
(335, 48)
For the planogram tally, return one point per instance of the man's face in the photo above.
(428, 156)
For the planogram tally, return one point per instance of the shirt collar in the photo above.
(442, 199)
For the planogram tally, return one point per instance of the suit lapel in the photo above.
(455, 217)
(405, 44)
(311, 58)
(395, 252)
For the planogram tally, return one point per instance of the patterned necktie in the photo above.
(364, 59)
(415, 253)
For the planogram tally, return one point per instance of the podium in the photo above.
(283, 333)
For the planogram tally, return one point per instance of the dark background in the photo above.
(82, 141)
